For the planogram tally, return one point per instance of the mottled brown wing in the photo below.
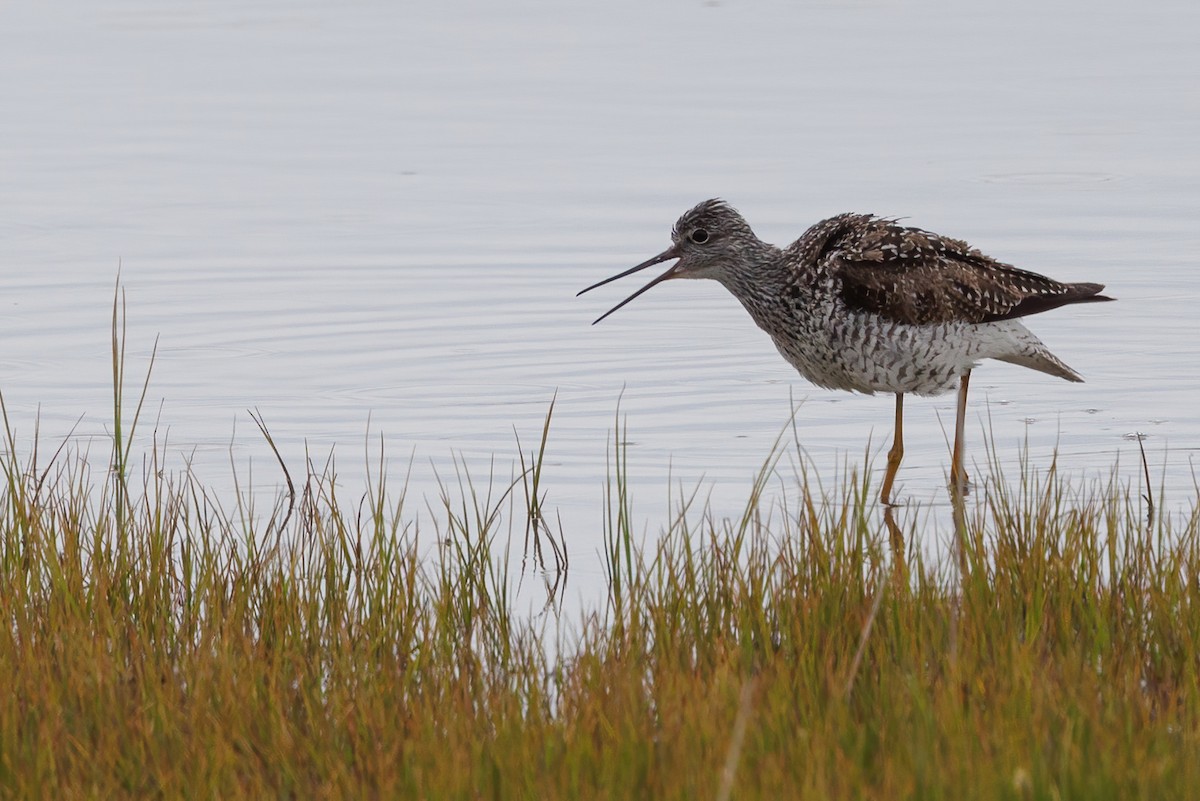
(915, 277)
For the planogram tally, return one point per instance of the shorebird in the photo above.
(864, 304)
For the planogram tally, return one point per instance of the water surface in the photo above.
(372, 221)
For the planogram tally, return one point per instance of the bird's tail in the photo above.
(1043, 361)
(1026, 350)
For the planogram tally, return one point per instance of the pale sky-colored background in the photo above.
(374, 218)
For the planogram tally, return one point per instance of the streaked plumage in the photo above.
(862, 303)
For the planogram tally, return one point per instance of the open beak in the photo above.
(666, 255)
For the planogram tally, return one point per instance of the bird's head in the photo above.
(707, 241)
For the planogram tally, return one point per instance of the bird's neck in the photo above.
(759, 280)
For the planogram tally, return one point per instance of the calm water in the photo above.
(375, 219)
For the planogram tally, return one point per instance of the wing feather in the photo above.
(915, 277)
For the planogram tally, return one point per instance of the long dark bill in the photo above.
(666, 255)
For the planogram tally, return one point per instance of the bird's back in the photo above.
(910, 276)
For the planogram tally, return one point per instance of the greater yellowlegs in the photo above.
(861, 303)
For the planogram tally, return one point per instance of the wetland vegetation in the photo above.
(162, 642)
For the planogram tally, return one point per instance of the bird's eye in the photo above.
(699, 236)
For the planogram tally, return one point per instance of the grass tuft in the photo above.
(157, 644)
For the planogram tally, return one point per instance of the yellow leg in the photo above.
(895, 454)
(958, 471)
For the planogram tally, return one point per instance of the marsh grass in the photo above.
(160, 644)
